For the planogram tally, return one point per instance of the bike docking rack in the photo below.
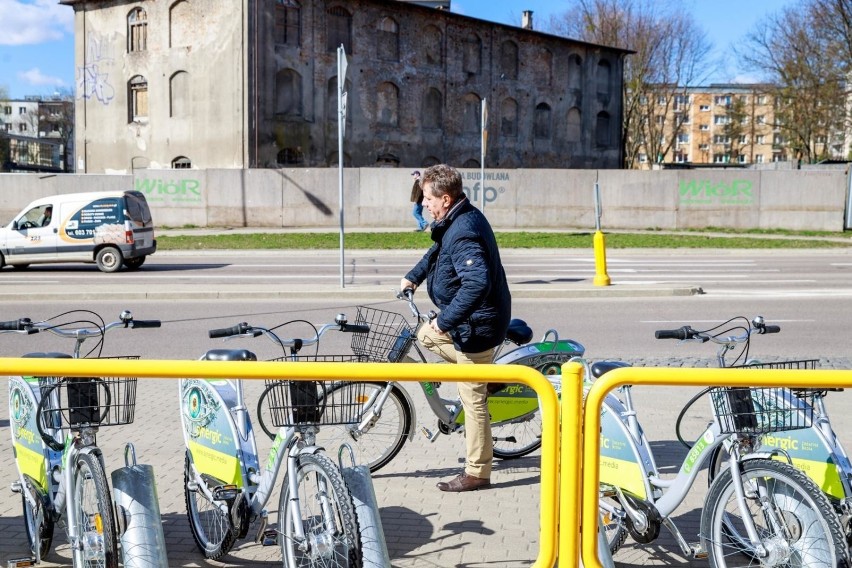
(580, 472)
(319, 371)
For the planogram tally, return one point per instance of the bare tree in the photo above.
(807, 63)
(671, 52)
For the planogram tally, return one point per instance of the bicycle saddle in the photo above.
(519, 332)
(602, 367)
(229, 355)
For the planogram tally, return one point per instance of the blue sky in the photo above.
(37, 36)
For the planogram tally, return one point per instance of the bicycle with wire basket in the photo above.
(758, 510)
(55, 420)
(225, 485)
(816, 450)
(387, 413)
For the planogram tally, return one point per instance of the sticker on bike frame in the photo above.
(209, 432)
(619, 465)
(513, 401)
(30, 451)
(695, 452)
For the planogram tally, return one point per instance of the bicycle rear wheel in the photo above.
(37, 522)
(517, 437)
(209, 520)
(95, 521)
(327, 515)
(384, 440)
(794, 520)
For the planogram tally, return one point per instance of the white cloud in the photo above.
(36, 78)
(28, 22)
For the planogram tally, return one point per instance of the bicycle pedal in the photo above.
(16, 488)
(698, 552)
(428, 433)
(270, 538)
(20, 562)
(225, 492)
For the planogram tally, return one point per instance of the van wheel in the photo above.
(108, 259)
(134, 263)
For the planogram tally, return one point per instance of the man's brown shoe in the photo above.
(464, 482)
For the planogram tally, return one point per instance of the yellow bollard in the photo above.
(601, 277)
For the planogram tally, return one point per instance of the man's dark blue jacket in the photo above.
(465, 279)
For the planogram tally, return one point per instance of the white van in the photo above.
(111, 229)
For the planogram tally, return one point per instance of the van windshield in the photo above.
(137, 207)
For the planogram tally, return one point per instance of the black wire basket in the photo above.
(805, 364)
(749, 410)
(292, 403)
(389, 338)
(88, 402)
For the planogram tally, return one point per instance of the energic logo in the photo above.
(707, 192)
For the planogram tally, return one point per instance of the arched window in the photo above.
(541, 121)
(543, 67)
(387, 104)
(433, 46)
(181, 163)
(575, 125)
(179, 104)
(288, 22)
(509, 118)
(472, 54)
(339, 29)
(180, 24)
(432, 109)
(603, 78)
(138, 98)
(509, 60)
(137, 30)
(288, 93)
(388, 40)
(471, 163)
(602, 130)
(575, 72)
(472, 117)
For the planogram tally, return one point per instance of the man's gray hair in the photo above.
(443, 179)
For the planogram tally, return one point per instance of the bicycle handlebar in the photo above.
(408, 296)
(682, 333)
(22, 324)
(686, 332)
(26, 325)
(245, 329)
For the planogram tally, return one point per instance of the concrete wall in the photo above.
(514, 199)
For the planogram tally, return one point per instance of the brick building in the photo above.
(245, 84)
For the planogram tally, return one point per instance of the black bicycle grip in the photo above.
(145, 323)
(681, 333)
(770, 329)
(355, 328)
(228, 331)
(15, 325)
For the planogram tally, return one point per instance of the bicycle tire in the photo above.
(39, 531)
(330, 542)
(212, 529)
(813, 536)
(96, 522)
(517, 437)
(386, 437)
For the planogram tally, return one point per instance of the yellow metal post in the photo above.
(570, 466)
(601, 277)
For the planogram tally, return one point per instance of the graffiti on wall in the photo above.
(93, 77)
(474, 187)
(170, 191)
(709, 192)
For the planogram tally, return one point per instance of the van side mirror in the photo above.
(14, 224)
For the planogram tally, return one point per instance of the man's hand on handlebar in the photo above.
(406, 284)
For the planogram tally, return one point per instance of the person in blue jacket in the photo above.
(466, 281)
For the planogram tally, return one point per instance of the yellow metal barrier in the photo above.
(589, 455)
(352, 371)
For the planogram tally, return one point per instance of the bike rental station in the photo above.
(569, 481)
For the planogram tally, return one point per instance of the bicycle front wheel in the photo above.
(95, 521)
(376, 447)
(795, 522)
(209, 520)
(326, 514)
